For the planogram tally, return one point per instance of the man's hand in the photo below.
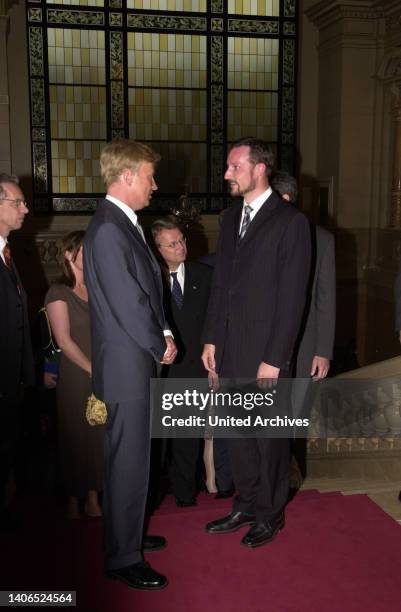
(171, 351)
(320, 367)
(265, 374)
(214, 383)
(208, 359)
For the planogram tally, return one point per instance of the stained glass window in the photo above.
(186, 76)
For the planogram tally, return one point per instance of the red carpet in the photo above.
(335, 554)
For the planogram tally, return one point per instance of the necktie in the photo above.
(176, 290)
(7, 257)
(140, 230)
(246, 221)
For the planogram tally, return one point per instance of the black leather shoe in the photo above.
(139, 576)
(185, 503)
(262, 533)
(230, 523)
(225, 494)
(152, 543)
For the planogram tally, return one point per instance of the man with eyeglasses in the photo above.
(187, 286)
(16, 360)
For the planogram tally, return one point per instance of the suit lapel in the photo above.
(11, 276)
(190, 288)
(123, 220)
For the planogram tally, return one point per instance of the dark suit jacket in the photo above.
(16, 360)
(317, 337)
(125, 300)
(259, 288)
(187, 322)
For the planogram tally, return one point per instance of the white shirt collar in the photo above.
(3, 242)
(131, 214)
(259, 201)
(256, 204)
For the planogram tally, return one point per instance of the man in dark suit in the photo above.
(315, 348)
(255, 309)
(16, 359)
(128, 340)
(186, 296)
(316, 340)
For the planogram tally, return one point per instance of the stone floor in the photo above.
(383, 491)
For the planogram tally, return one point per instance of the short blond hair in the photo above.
(118, 155)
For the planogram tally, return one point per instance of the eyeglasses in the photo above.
(174, 245)
(17, 202)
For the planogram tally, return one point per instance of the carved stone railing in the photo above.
(367, 419)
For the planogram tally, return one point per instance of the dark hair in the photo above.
(167, 223)
(284, 183)
(7, 178)
(72, 242)
(260, 152)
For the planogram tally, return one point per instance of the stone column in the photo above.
(395, 211)
(5, 142)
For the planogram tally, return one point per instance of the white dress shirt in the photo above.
(256, 205)
(3, 242)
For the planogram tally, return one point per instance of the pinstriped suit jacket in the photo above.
(259, 288)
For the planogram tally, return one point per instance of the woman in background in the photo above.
(81, 446)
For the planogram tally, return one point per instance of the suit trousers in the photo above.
(127, 458)
(260, 469)
(184, 467)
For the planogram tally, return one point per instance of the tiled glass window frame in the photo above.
(115, 20)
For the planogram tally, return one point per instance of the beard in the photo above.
(235, 188)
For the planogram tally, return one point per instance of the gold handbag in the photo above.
(96, 411)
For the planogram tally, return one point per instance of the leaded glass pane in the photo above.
(183, 165)
(76, 56)
(167, 114)
(77, 2)
(193, 6)
(166, 60)
(75, 166)
(252, 63)
(77, 112)
(261, 8)
(252, 113)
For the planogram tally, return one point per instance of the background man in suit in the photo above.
(316, 340)
(315, 349)
(255, 309)
(16, 359)
(187, 292)
(127, 323)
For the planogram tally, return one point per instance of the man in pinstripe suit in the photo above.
(257, 299)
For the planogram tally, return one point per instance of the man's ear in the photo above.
(286, 197)
(127, 176)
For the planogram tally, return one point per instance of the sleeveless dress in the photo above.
(80, 444)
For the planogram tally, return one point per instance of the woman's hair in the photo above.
(72, 242)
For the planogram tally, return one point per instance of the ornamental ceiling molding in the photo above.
(327, 12)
